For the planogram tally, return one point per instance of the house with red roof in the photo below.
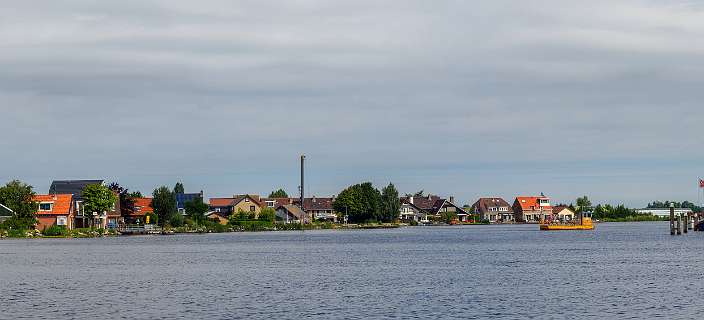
(225, 207)
(142, 207)
(532, 208)
(54, 209)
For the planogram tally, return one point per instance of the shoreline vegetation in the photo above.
(57, 232)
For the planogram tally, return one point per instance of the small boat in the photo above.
(584, 222)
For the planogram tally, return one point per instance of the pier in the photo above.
(681, 223)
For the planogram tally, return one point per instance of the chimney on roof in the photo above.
(410, 199)
(313, 199)
(452, 199)
(430, 196)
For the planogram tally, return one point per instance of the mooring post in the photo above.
(679, 224)
(672, 220)
(685, 219)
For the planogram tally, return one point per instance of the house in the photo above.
(142, 207)
(432, 206)
(108, 219)
(229, 206)
(493, 210)
(54, 209)
(409, 212)
(563, 213)
(5, 213)
(315, 207)
(290, 213)
(217, 217)
(532, 209)
(182, 198)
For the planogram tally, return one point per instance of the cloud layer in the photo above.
(454, 97)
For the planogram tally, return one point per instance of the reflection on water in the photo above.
(619, 270)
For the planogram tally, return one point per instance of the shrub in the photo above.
(55, 231)
(176, 220)
(15, 223)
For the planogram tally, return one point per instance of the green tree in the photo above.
(136, 194)
(390, 204)
(196, 209)
(448, 216)
(178, 188)
(583, 203)
(126, 198)
(98, 198)
(267, 214)
(278, 194)
(18, 196)
(164, 204)
(362, 202)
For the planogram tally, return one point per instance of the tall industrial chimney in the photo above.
(303, 159)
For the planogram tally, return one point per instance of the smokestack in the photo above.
(303, 159)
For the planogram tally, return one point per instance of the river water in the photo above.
(620, 270)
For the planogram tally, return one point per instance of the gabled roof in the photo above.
(430, 204)
(5, 211)
(526, 203)
(228, 202)
(221, 202)
(142, 206)
(74, 187)
(62, 204)
(484, 203)
(558, 209)
(293, 210)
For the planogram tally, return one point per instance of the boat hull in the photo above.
(557, 227)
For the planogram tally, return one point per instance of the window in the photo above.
(246, 199)
(252, 209)
(217, 209)
(45, 206)
(61, 221)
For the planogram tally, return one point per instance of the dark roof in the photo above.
(315, 203)
(430, 203)
(74, 187)
(5, 211)
(483, 203)
(182, 198)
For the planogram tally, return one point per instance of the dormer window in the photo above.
(45, 206)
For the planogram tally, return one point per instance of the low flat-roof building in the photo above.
(663, 212)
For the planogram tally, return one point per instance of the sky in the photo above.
(456, 98)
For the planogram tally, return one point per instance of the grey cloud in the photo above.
(454, 97)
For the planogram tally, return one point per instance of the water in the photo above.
(634, 270)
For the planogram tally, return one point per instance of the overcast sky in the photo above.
(463, 98)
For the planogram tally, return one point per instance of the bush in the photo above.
(176, 220)
(15, 223)
(55, 231)
(414, 223)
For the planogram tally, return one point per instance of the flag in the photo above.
(701, 183)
